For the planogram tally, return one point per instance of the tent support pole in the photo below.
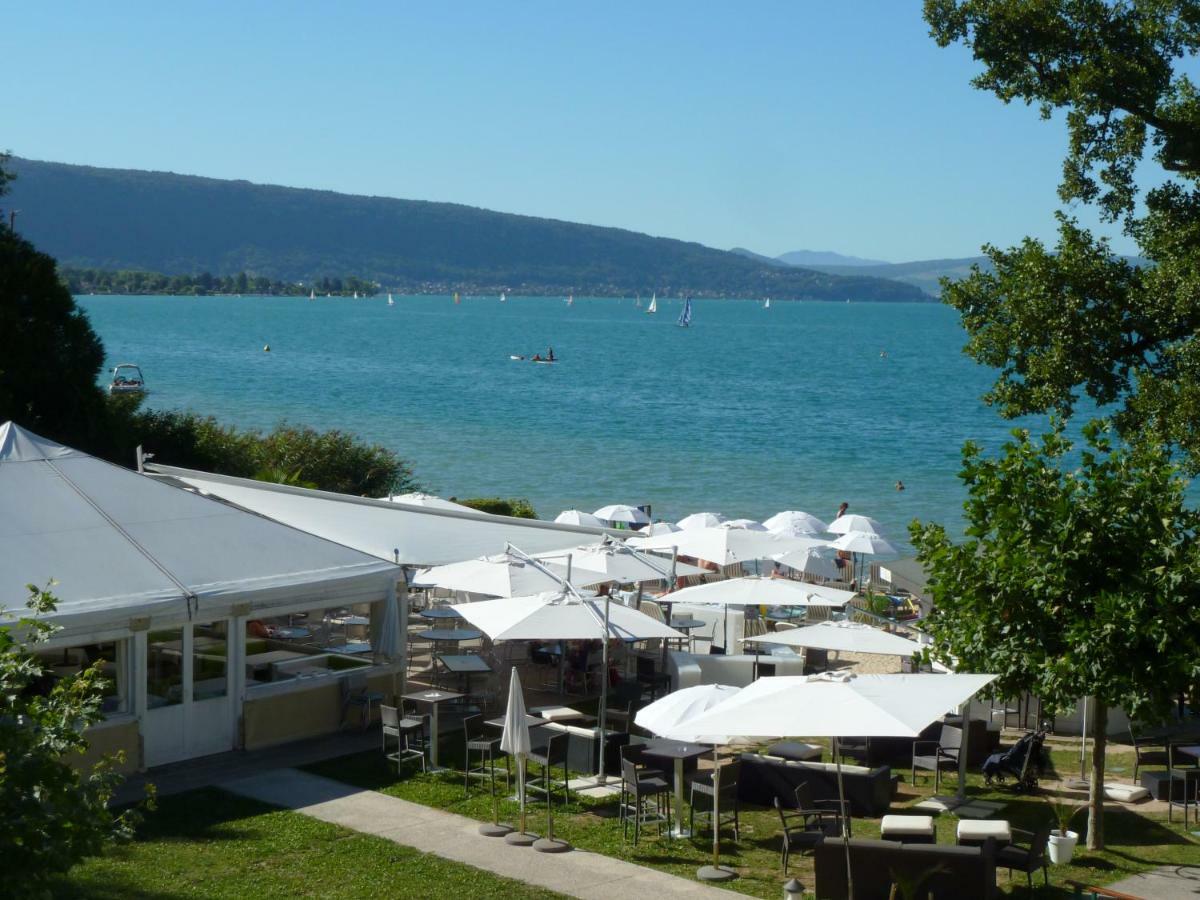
(837, 756)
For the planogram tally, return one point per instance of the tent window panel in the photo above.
(210, 660)
(110, 656)
(164, 668)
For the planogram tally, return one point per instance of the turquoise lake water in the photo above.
(747, 412)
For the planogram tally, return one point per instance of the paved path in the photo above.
(451, 836)
(1163, 883)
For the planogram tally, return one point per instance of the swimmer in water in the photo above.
(899, 485)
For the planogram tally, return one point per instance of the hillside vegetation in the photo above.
(115, 219)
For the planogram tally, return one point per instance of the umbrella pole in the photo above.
(837, 757)
(715, 872)
(602, 719)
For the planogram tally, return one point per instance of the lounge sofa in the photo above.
(958, 873)
(763, 778)
(688, 670)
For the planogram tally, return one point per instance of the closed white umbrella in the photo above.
(838, 705)
(854, 637)
(578, 517)
(386, 643)
(852, 522)
(863, 542)
(744, 524)
(723, 546)
(794, 522)
(663, 717)
(810, 561)
(620, 513)
(503, 575)
(515, 741)
(700, 520)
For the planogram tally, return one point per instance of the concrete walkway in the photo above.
(450, 836)
(1163, 883)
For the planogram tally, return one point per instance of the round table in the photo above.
(440, 612)
(291, 633)
(451, 635)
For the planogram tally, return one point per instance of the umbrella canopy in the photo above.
(794, 522)
(556, 617)
(427, 500)
(855, 637)
(850, 522)
(615, 562)
(618, 512)
(578, 517)
(744, 524)
(863, 542)
(838, 705)
(700, 520)
(722, 546)
(502, 575)
(660, 528)
(757, 590)
(810, 562)
(662, 717)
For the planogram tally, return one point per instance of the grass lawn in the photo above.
(208, 843)
(1136, 842)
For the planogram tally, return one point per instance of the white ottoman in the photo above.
(973, 832)
(1124, 793)
(908, 829)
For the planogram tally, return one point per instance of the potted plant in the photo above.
(1062, 842)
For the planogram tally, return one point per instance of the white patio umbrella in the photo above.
(619, 512)
(700, 520)
(659, 528)
(558, 616)
(578, 517)
(662, 717)
(854, 637)
(864, 542)
(852, 522)
(744, 524)
(429, 501)
(503, 575)
(723, 546)
(515, 741)
(617, 562)
(794, 522)
(809, 561)
(838, 705)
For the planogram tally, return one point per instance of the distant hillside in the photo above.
(923, 274)
(758, 257)
(117, 219)
(826, 258)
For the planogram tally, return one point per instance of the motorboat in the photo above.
(127, 379)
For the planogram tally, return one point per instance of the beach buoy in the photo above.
(267, 348)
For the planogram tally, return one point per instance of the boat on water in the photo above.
(570, 302)
(503, 297)
(312, 295)
(456, 300)
(127, 379)
(653, 307)
(391, 302)
(685, 316)
(356, 295)
(637, 304)
(767, 304)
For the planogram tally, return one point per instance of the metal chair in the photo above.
(479, 740)
(1027, 857)
(646, 797)
(410, 734)
(554, 754)
(808, 824)
(651, 679)
(355, 693)
(1149, 751)
(729, 808)
(944, 755)
(1183, 789)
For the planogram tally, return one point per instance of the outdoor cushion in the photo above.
(979, 829)
(906, 825)
(796, 750)
(1124, 793)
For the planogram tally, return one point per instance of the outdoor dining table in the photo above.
(686, 626)
(439, 612)
(433, 698)
(464, 665)
(1192, 750)
(679, 753)
(449, 635)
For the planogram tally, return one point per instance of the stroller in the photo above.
(1023, 761)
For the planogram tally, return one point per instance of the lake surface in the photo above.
(747, 412)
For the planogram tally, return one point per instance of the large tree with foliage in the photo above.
(1073, 581)
(52, 813)
(1074, 320)
(49, 355)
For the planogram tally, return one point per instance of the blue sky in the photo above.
(773, 126)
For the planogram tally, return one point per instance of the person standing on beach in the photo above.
(842, 509)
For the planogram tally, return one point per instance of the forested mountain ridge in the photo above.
(117, 219)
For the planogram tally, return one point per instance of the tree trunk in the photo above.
(1095, 835)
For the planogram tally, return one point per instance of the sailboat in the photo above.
(638, 303)
(356, 295)
(503, 297)
(685, 317)
(767, 305)
(312, 295)
(570, 299)
(653, 307)
(391, 302)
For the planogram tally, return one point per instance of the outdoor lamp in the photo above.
(793, 890)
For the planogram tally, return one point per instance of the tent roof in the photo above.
(415, 535)
(118, 544)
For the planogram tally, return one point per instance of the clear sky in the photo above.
(769, 125)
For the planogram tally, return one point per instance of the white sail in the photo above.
(653, 307)
(312, 295)
(391, 302)
(503, 297)
(570, 299)
(767, 305)
(685, 317)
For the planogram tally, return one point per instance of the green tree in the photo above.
(335, 461)
(1071, 580)
(1074, 320)
(51, 814)
(518, 507)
